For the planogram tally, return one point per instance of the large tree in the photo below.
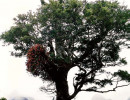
(65, 34)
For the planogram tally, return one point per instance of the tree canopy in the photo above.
(63, 34)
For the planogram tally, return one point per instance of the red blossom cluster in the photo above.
(36, 59)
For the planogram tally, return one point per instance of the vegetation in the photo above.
(65, 34)
(3, 98)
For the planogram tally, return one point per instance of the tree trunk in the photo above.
(62, 86)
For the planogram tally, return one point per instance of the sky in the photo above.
(16, 83)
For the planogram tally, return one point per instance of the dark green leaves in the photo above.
(104, 82)
(124, 75)
(69, 23)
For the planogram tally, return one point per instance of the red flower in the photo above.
(36, 59)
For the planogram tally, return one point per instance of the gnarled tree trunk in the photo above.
(62, 86)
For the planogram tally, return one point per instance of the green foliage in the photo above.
(103, 82)
(123, 61)
(3, 98)
(71, 21)
(23, 35)
(124, 75)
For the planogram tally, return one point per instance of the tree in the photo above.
(65, 34)
(3, 98)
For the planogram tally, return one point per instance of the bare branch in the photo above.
(49, 88)
(114, 89)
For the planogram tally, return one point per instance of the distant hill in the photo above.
(21, 98)
(129, 98)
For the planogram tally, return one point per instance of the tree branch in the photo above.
(90, 46)
(114, 89)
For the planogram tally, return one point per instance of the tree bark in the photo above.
(62, 86)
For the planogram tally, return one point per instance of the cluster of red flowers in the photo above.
(36, 59)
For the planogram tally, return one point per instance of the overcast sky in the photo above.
(15, 82)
